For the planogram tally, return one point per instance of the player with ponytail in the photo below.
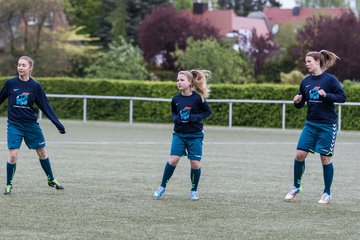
(189, 108)
(320, 90)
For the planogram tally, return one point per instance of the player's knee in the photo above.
(195, 164)
(174, 160)
(13, 158)
(300, 155)
(41, 153)
(325, 160)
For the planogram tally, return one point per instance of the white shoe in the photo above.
(159, 192)
(194, 195)
(293, 192)
(325, 198)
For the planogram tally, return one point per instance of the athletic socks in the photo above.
(168, 172)
(299, 169)
(195, 178)
(328, 172)
(10, 170)
(45, 164)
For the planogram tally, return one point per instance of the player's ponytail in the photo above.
(200, 78)
(327, 58)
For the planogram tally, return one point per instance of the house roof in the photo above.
(286, 16)
(226, 21)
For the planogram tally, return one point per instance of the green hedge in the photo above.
(244, 114)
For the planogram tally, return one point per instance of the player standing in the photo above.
(189, 108)
(320, 90)
(22, 92)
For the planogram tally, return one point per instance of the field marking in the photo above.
(168, 143)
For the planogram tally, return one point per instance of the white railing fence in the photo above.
(229, 101)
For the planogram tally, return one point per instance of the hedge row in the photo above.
(252, 115)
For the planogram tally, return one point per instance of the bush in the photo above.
(250, 115)
(226, 65)
(293, 77)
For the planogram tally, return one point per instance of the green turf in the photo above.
(110, 172)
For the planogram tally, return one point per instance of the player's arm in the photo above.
(174, 113)
(300, 97)
(336, 95)
(43, 103)
(3, 93)
(205, 112)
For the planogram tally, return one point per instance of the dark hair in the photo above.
(327, 58)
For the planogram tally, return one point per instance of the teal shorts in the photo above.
(189, 144)
(30, 132)
(318, 138)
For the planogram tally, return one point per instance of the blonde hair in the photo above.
(327, 58)
(29, 60)
(199, 80)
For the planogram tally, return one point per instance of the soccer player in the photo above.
(22, 92)
(320, 90)
(189, 108)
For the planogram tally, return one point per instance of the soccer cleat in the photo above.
(8, 189)
(194, 195)
(55, 184)
(159, 192)
(291, 195)
(325, 198)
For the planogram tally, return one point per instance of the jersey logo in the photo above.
(185, 114)
(22, 99)
(16, 89)
(314, 93)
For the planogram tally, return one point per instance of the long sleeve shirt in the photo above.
(21, 97)
(197, 110)
(321, 109)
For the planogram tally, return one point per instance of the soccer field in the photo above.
(110, 171)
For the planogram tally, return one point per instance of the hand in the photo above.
(322, 93)
(297, 98)
(62, 131)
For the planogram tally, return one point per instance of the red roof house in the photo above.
(226, 21)
(298, 15)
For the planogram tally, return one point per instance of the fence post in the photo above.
(283, 115)
(84, 109)
(339, 118)
(131, 111)
(230, 113)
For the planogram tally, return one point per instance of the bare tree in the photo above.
(23, 22)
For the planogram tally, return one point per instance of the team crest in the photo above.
(22, 99)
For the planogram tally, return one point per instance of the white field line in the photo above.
(168, 143)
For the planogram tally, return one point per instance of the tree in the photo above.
(244, 7)
(226, 65)
(32, 15)
(136, 11)
(263, 47)
(183, 4)
(121, 61)
(93, 18)
(118, 20)
(324, 3)
(164, 30)
(340, 35)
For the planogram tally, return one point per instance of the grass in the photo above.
(110, 172)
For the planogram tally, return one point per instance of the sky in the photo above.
(287, 3)
(291, 3)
